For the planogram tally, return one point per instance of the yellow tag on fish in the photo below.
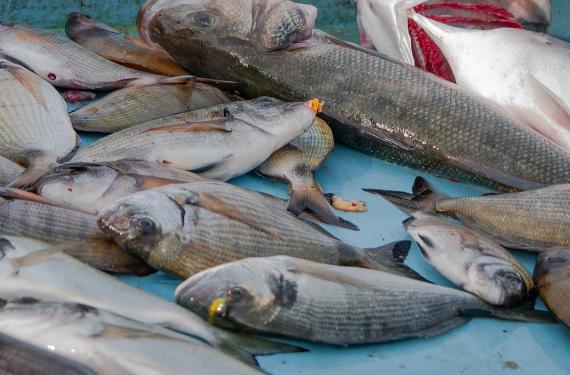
(317, 105)
(214, 308)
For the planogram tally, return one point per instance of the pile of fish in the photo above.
(215, 89)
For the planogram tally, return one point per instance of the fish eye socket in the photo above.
(145, 226)
(203, 20)
(236, 294)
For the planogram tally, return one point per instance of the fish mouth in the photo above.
(203, 298)
(150, 9)
(114, 222)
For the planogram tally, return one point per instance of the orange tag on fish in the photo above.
(317, 105)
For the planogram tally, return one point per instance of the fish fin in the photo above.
(549, 103)
(192, 79)
(311, 196)
(518, 314)
(34, 258)
(29, 177)
(392, 256)
(206, 126)
(246, 347)
(342, 223)
(109, 330)
(14, 193)
(421, 199)
(208, 167)
(151, 182)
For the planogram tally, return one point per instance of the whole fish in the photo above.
(90, 187)
(9, 171)
(35, 130)
(296, 164)
(27, 270)
(117, 47)
(29, 215)
(532, 220)
(380, 106)
(330, 304)
(64, 63)
(552, 276)
(110, 343)
(235, 141)
(184, 229)
(471, 260)
(131, 106)
(530, 79)
(20, 358)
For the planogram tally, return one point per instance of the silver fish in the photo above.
(110, 343)
(35, 130)
(330, 304)
(241, 137)
(9, 171)
(471, 260)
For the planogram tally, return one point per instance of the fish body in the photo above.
(184, 229)
(234, 141)
(529, 78)
(35, 128)
(325, 303)
(382, 107)
(9, 171)
(64, 63)
(470, 260)
(131, 106)
(552, 275)
(110, 343)
(296, 164)
(119, 48)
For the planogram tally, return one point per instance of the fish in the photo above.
(9, 171)
(373, 103)
(296, 164)
(35, 129)
(110, 343)
(220, 143)
(132, 106)
(26, 214)
(77, 96)
(20, 358)
(533, 220)
(330, 304)
(471, 260)
(516, 78)
(27, 270)
(552, 276)
(66, 64)
(184, 229)
(119, 48)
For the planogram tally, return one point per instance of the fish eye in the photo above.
(52, 77)
(203, 20)
(236, 294)
(145, 225)
(226, 112)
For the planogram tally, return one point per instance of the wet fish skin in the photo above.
(9, 171)
(296, 163)
(471, 260)
(64, 63)
(389, 122)
(552, 277)
(36, 130)
(217, 142)
(119, 48)
(20, 358)
(326, 303)
(111, 343)
(184, 229)
(132, 106)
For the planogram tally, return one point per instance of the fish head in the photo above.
(143, 223)
(246, 293)
(496, 281)
(77, 185)
(268, 24)
(433, 234)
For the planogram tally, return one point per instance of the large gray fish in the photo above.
(184, 229)
(221, 143)
(119, 48)
(27, 270)
(136, 105)
(20, 358)
(110, 343)
(35, 130)
(532, 220)
(330, 304)
(552, 276)
(64, 63)
(382, 107)
(9, 171)
(29, 215)
(471, 260)
(296, 164)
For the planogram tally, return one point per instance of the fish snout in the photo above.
(200, 295)
(115, 221)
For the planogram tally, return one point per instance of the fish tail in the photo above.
(518, 314)
(246, 347)
(392, 256)
(421, 199)
(311, 197)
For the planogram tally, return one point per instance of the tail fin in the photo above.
(246, 347)
(518, 314)
(393, 256)
(311, 197)
(421, 199)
